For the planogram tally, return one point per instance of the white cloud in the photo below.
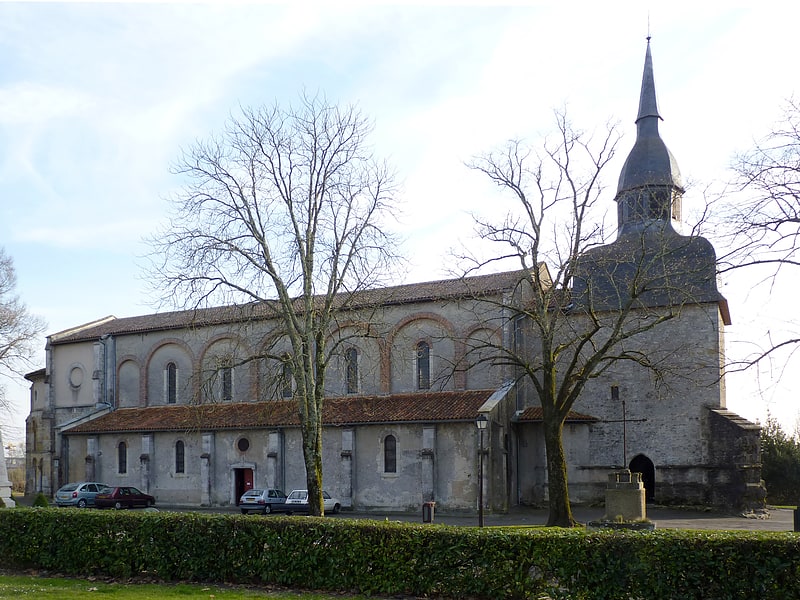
(96, 100)
(35, 103)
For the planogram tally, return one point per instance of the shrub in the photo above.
(384, 558)
(41, 501)
(780, 464)
(2, 503)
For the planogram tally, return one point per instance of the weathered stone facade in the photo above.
(182, 406)
(144, 369)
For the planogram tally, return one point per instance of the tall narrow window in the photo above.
(122, 458)
(423, 366)
(179, 457)
(351, 370)
(286, 379)
(520, 351)
(172, 383)
(390, 454)
(226, 376)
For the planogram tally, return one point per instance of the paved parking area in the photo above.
(774, 519)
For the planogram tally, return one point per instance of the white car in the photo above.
(297, 501)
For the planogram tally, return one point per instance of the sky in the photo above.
(97, 100)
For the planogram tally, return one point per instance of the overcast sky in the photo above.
(97, 100)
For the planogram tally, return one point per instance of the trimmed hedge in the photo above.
(375, 557)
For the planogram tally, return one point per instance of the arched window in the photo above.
(286, 379)
(122, 458)
(390, 454)
(423, 366)
(179, 457)
(172, 383)
(226, 377)
(351, 370)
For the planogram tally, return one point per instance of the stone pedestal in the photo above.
(5, 484)
(625, 497)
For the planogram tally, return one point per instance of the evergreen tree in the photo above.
(780, 464)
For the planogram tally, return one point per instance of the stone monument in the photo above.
(625, 496)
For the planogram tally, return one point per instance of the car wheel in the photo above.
(151, 503)
(336, 508)
(267, 509)
(244, 511)
(118, 505)
(82, 503)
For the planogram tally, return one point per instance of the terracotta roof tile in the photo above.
(411, 407)
(533, 414)
(402, 294)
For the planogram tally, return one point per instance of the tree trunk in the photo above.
(312, 454)
(313, 460)
(560, 510)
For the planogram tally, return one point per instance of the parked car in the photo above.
(263, 501)
(123, 496)
(297, 501)
(79, 494)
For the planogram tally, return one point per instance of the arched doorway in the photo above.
(642, 464)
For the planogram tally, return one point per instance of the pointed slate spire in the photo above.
(648, 107)
(650, 264)
(650, 188)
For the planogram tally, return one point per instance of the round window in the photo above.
(76, 377)
(243, 444)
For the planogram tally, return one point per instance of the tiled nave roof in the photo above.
(350, 410)
(446, 289)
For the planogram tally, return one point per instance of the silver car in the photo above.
(262, 501)
(79, 494)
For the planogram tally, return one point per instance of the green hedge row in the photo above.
(375, 557)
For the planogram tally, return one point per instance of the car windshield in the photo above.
(252, 493)
(297, 494)
(69, 487)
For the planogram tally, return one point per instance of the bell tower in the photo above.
(650, 190)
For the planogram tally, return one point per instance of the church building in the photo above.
(183, 406)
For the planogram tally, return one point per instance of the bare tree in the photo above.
(18, 328)
(288, 209)
(583, 307)
(761, 225)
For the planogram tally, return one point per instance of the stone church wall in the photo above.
(665, 421)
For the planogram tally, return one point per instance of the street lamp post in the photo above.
(481, 423)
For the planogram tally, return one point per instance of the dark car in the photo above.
(297, 501)
(123, 496)
(79, 494)
(263, 501)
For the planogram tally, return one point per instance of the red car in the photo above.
(123, 496)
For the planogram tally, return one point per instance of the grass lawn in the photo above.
(57, 588)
